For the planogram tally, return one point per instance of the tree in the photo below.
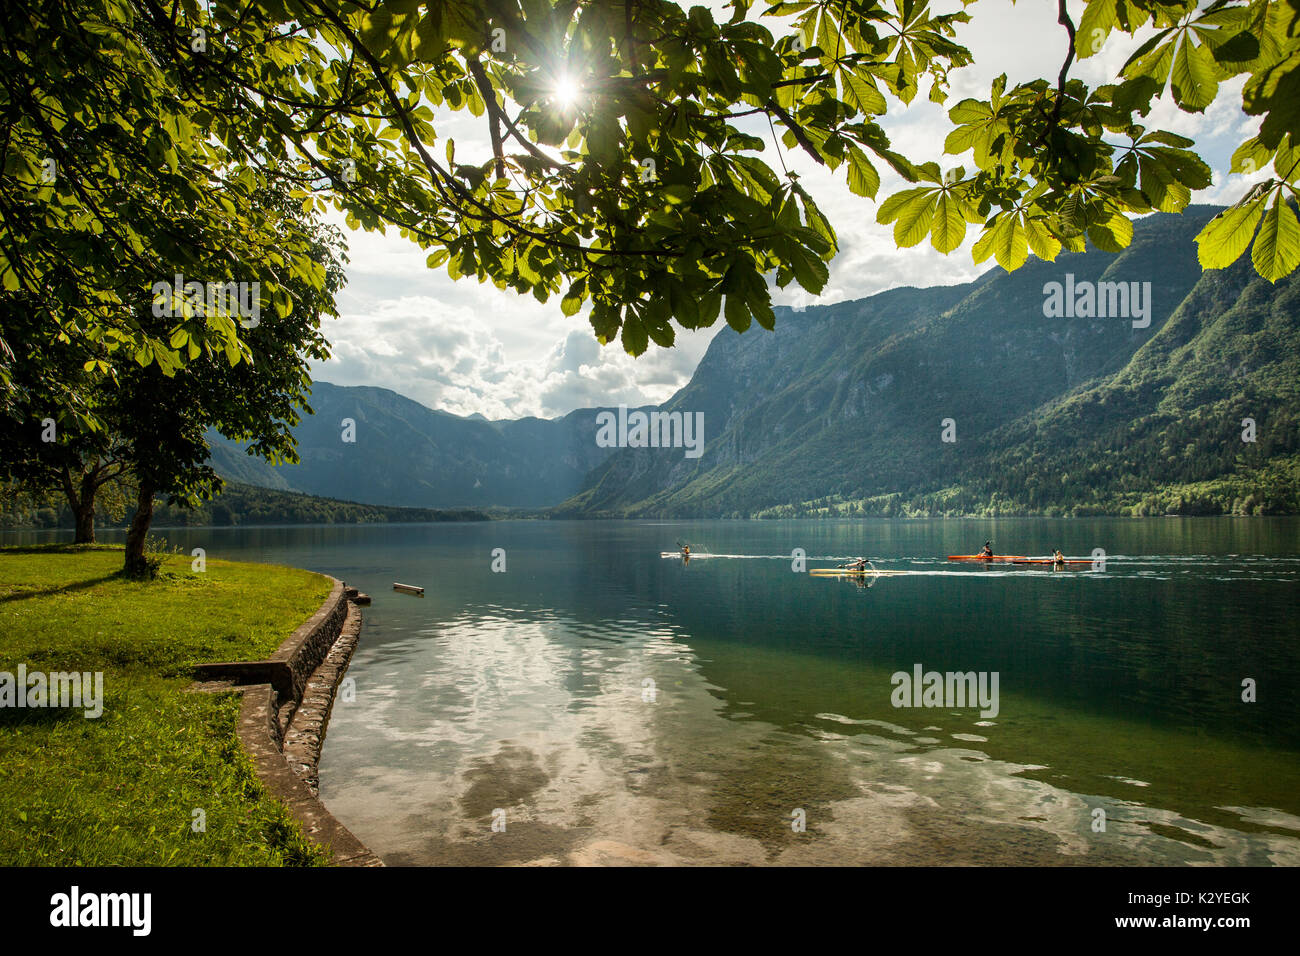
(625, 169)
(47, 439)
(163, 420)
(112, 183)
(150, 421)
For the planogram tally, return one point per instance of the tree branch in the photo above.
(794, 128)
(493, 109)
(1064, 20)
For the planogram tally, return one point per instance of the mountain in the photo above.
(408, 455)
(843, 408)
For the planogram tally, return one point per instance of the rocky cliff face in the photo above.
(849, 401)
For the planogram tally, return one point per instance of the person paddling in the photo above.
(1058, 559)
(859, 565)
(987, 551)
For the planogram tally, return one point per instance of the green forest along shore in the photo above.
(238, 504)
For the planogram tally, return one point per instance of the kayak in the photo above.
(1050, 561)
(981, 557)
(847, 573)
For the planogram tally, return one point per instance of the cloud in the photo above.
(463, 357)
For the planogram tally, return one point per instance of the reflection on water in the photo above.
(550, 721)
(621, 707)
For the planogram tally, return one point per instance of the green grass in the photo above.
(122, 789)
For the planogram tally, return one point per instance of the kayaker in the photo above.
(1058, 558)
(858, 565)
(987, 552)
(686, 550)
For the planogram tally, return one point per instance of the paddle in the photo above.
(697, 550)
(850, 567)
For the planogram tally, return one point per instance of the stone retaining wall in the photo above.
(256, 731)
(306, 734)
(286, 708)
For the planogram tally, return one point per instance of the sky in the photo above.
(467, 348)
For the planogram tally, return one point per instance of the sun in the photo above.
(566, 91)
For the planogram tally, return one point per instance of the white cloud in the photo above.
(459, 356)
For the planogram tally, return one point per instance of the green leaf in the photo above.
(809, 269)
(635, 340)
(1099, 18)
(1287, 161)
(1226, 236)
(760, 304)
(604, 321)
(864, 180)
(1041, 241)
(861, 92)
(1194, 76)
(949, 228)
(737, 313)
(1006, 241)
(1276, 252)
(1113, 234)
(682, 306)
(572, 301)
(1274, 93)
(378, 27)
(710, 306)
(913, 209)
(1151, 61)
(1071, 216)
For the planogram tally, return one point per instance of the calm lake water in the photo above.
(620, 707)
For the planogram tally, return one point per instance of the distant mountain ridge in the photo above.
(843, 409)
(408, 455)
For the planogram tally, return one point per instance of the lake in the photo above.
(599, 703)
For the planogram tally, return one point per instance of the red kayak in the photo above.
(1050, 561)
(985, 557)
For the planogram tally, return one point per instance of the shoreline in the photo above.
(284, 714)
(594, 518)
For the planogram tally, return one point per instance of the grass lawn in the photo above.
(122, 789)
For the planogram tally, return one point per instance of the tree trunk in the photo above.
(84, 509)
(135, 565)
(85, 513)
(82, 504)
